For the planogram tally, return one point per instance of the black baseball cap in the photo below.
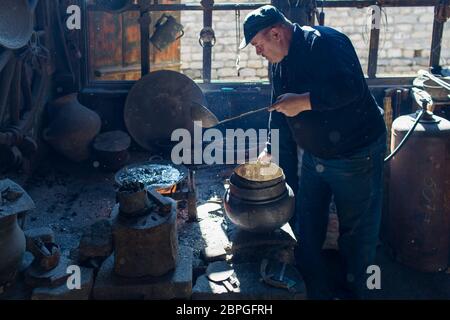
(258, 20)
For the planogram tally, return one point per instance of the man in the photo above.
(323, 105)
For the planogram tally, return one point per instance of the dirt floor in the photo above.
(69, 197)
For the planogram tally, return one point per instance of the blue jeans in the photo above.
(356, 181)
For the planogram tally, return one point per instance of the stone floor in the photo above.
(69, 197)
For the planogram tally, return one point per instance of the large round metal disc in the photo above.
(158, 104)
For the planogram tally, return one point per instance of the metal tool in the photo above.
(209, 120)
(222, 273)
(271, 279)
(158, 104)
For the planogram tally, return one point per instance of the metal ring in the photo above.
(207, 37)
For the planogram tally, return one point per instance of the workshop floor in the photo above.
(70, 196)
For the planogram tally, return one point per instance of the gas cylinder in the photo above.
(419, 193)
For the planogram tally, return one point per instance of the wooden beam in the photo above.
(16, 94)
(144, 22)
(373, 52)
(5, 86)
(438, 31)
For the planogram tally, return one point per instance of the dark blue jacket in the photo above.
(344, 115)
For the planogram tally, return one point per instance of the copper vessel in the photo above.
(419, 192)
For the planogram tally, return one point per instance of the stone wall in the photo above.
(405, 41)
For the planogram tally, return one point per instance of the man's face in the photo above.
(267, 44)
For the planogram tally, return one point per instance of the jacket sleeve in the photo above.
(339, 80)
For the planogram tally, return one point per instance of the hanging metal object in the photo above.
(167, 30)
(158, 104)
(207, 37)
(238, 41)
(16, 22)
(321, 18)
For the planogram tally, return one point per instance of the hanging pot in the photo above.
(259, 199)
(166, 31)
(72, 128)
(16, 22)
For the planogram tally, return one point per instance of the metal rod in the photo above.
(373, 52)
(207, 48)
(236, 6)
(192, 197)
(243, 115)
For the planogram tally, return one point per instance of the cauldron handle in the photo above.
(32, 4)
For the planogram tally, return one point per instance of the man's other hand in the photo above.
(291, 104)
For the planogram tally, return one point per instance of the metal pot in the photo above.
(16, 22)
(167, 30)
(72, 127)
(437, 92)
(258, 203)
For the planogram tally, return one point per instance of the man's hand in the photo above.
(291, 104)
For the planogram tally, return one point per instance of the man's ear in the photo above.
(275, 34)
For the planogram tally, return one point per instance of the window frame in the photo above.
(208, 6)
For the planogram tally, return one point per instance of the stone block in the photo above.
(146, 245)
(227, 72)
(35, 277)
(96, 240)
(64, 293)
(250, 247)
(254, 64)
(394, 53)
(214, 253)
(250, 288)
(176, 284)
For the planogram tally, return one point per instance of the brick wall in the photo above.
(405, 41)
